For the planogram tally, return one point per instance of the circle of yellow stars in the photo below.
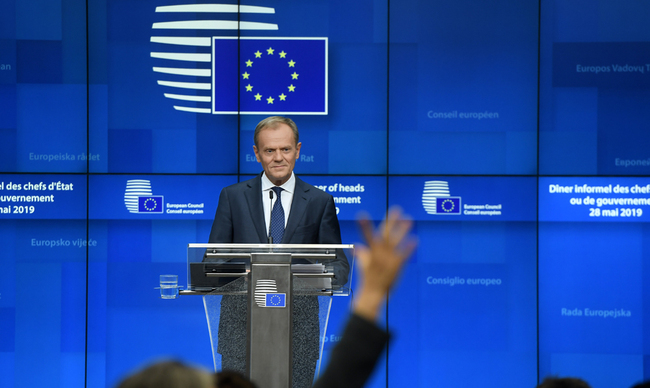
(150, 204)
(294, 76)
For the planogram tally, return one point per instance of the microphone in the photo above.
(270, 238)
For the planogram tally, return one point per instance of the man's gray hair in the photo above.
(273, 122)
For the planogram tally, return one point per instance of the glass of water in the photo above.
(168, 286)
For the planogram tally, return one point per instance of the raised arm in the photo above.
(379, 261)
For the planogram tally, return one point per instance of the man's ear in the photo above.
(298, 150)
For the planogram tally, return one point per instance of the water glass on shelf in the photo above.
(169, 286)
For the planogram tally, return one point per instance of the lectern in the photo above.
(268, 277)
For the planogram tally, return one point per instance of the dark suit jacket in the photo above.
(312, 220)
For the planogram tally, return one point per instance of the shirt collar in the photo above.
(288, 186)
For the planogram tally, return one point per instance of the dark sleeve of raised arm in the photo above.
(355, 356)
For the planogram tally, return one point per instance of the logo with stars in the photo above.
(271, 64)
(436, 199)
(267, 295)
(138, 197)
(206, 72)
(274, 76)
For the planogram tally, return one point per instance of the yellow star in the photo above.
(292, 88)
(282, 97)
(283, 54)
(258, 54)
(294, 75)
(270, 50)
(249, 88)
(249, 63)
(258, 97)
(269, 100)
(292, 63)
(245, 75)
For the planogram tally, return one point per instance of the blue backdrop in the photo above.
(514, 132)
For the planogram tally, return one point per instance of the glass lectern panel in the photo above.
(248, 306)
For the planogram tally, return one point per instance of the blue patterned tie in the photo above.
(277, 217)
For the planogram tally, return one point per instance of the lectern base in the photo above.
(212, 305)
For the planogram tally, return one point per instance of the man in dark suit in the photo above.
(307, 216)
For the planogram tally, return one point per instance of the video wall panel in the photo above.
(42, 279)
(43, 86)
(142, 225)
(169, 79)
(463, 81)
(594, 88)
(593, 258)
(466, 300)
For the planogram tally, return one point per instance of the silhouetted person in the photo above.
(563, 382)
(169, 374)
(232, 379)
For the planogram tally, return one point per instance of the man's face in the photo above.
(277, 152)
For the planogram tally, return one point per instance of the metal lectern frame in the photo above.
(269, 285)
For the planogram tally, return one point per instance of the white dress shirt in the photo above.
(288, 187)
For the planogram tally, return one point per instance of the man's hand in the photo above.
(380, 261)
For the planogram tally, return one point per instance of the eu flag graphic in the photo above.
(150, 204)
(448, 205)
(270, 75)
(276, 300)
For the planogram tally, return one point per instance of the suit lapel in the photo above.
(298, 207)
(253, 196)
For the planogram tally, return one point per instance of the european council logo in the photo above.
(436, 199)
(266, 294)
(139, 199)
(229, 74)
